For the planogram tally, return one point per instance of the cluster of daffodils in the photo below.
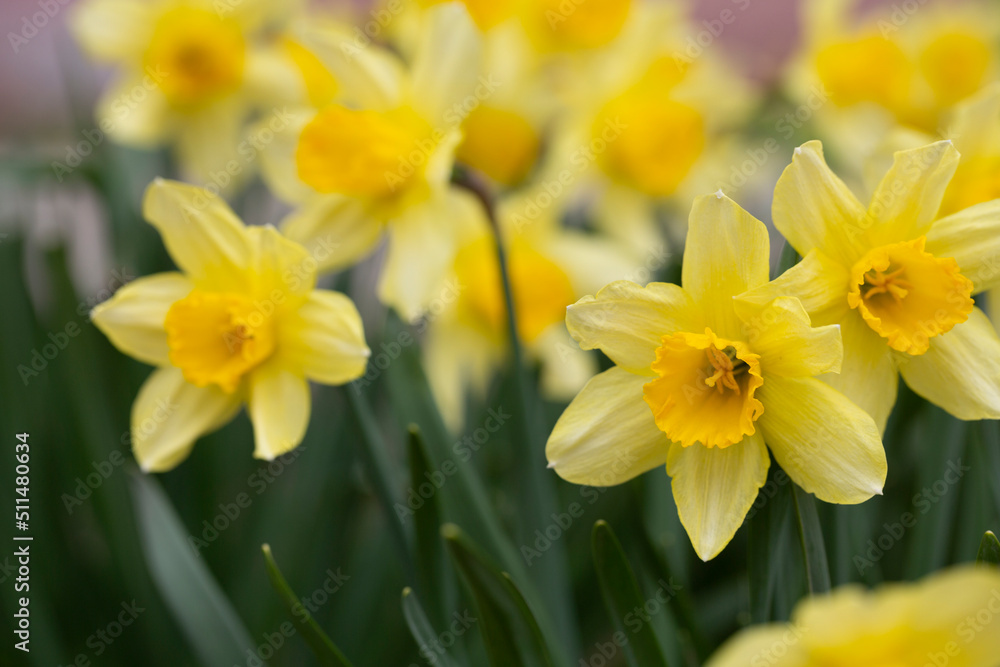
(578, 138)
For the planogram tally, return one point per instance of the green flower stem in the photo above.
(811, 539)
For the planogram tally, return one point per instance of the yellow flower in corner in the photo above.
(896, 278)
(241, 323)
(945, 619)
(190, 74)
(706, 383)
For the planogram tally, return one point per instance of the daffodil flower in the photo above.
(550, 267)
(942, 620)
(897, 279)
(863, 70)
(706, 383)
(240, 323)
(378, 166)
(191, 73)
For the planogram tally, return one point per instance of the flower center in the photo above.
(542, 290)
(641, 126)
(499, 143)
(955, 65)
(363, 153)
(561, 25)
(704, 392)
(215, 338)
(908, 296)
(868, 69)
(195, 56)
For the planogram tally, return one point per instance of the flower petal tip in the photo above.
(551, 465)
(719, 194)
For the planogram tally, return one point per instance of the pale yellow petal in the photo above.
(607, 435)
(208, 145)
(961, 370)
(281, 269)
(714, 488)
(780, 332)
(726, 253)
(324, 338)
(279, 406)
(813, 208)
(371, 77)
(820, 283)
(972, 237)
(133, 318)
(907, 200)
(446, 66)
(112, 29)
(868, 374)
(627, 322)
(827, 444)
(565, 367)
(420, 254)
(345, 228)
(204, 237)
(459, 361)
(134, 112)
(169, 414)
(772, 645)
(278, 166)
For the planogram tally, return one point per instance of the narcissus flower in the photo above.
(896, 278)
(378, 166)
(882, 65)
(550, 267)
(706, 383)
(191, 73)
(947, 619)
(241, 323)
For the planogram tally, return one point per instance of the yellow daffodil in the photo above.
(241, 323)
(949, 619)
(891, 64)
(550, 268)
(897, 279)
(191, 73)
(705, 383)
(378, 165)
(646, 98)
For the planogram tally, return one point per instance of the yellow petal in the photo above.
(371, 78)
(446, 65)
(817, 281)
(459, 361)
(281, 268)
(565, 367)
(277, 157)
(133, 318)
(145, 123)
(208, 143)
(726, 253)
(827, 444)
(961, 370)
(279, 407)
(627, 322)
(780, 332)
(907, 200)
(868, 374)
(772, 645)
(204, 237)
(972, 237)
(346, 228)
(813, 208)
(607, 434)
(112, 29)
(324, 338)
(420, 253)
(714, 489)
(169, 414)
